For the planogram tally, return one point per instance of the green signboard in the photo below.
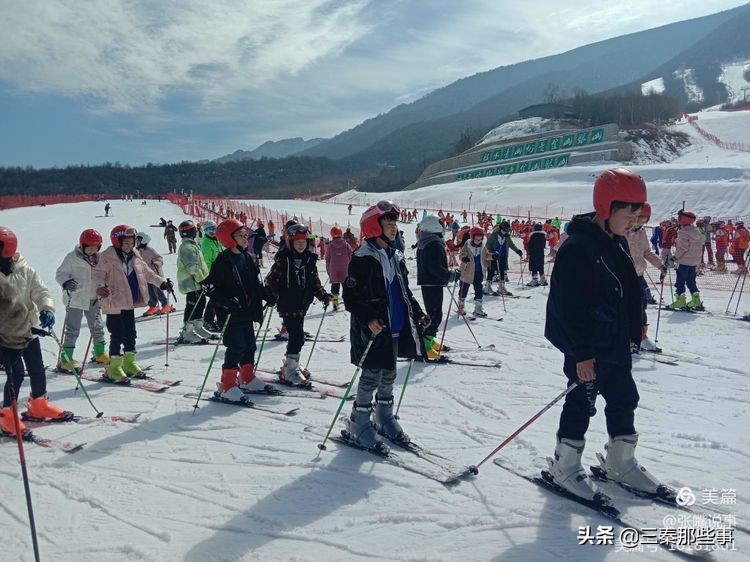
(549, 144)
(547, 163)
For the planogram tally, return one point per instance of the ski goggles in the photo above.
(297, 229)
(386, 206)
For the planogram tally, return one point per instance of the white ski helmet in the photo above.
(145, 238)
(431, 223)
(208, 223)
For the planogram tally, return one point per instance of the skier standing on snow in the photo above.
(26, 295)
(377, 295)
(259, 240)
(687, 257)
(211, 248)
(292, 284)
(470, 257)
(433, 276)
(500, 243)
(593, 315)
(107, 208)
(338, 256)
(235, 289)
(122, 278)
(15, 334)
(76, 276)
(191, 271)
(537, 242)
(641, 252)
(157, 300)
(170, 233)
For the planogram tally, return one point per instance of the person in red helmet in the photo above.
(122, 283)
(292, 284)
(76, 277)
(37, 298)
(593, 316)
(235, 288)
(470, 257)
(687, 256)
(337, 258)
(384, 315)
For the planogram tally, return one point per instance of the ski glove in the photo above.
(103, 291)
(454, 276)
(71, 285)
(425, 321)
(167, 286)
(326, 300)
(519, 252)
(465, 259)
(46, 319)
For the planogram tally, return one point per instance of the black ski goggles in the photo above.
(297, 229)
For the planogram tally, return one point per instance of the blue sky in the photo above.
(169, 80)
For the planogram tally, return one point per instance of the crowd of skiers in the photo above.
(596, 310)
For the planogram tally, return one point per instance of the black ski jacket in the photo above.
(594, 309)
(432, 264)
(234, 281)
(366, 298)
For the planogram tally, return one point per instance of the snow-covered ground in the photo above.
(228, 484)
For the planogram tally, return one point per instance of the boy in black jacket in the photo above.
(593, 315)
(292, 284)
(537, 242)
(234, 287)
(433, 276)
(377, 295)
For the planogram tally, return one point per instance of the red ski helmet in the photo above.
(225, 232)
(646, 210)
(90, 237)
(9, 242)
(685, 218)
(336, 232)
(617, 184)
(295, 232)
(476, 231)
(122, 231)
(370, 221)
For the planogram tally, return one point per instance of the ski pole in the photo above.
(502, 295)
(268, 310)
(527, 424)
(671, 291)
(322, 446)
(85, 355)
(658, 312)
(651, 279)
(403, 388)
(211, 364)
(445, 324)
(467, 324)
(739, 297)
(65, 323)
(10, 369)
(75, 372)
(523, 266)
(198, 300)
(731, 297)
(166, 338)
(320, 325)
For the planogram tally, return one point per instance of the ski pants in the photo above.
(615, 383)
(433, 307)
(73, 318)
(478, 289)
(30, 359)
(240, 343)
(122, 332)
(295, 325)
(194, 300)
(156, 295)
(209, 314)
(377, 379)
(739, 256)
(721, 254)
(172, 243)
(502, 267)
(686, 276)
(335, 288)
(644, 299)
(492, 269)
(707, 247)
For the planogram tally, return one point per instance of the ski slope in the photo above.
(229, 484)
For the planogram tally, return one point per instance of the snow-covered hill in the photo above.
(227, 484)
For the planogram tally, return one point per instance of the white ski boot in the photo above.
(386, 423)
(361, 430)
(189, 335)
(502, 290)
(534, 282)
(199, 329)
(543, 280)
(622, 466)
(460, 310)
(567, 472)
(478, 310)
(291, 373)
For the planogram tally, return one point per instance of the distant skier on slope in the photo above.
(593, 314)
(687, 256)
